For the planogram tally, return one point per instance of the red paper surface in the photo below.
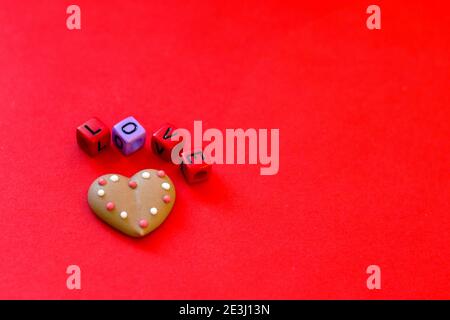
(364, 148)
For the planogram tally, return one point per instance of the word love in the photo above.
(193, 153)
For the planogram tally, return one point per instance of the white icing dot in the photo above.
(145, 175)
(153, 211)
(123, 214)
(165, 186)
(101, 192)
(114, 178)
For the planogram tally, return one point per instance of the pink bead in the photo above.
(161, 174)
(143, 223)
(166, 198)
(110, 206)
(132, 184)
(101, 181)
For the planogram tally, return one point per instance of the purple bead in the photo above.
(128, 135)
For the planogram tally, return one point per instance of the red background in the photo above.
(364, 137)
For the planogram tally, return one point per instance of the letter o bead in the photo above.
(128, 135)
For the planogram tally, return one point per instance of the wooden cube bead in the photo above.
(93, 136)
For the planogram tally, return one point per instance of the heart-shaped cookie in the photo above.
(135, 206)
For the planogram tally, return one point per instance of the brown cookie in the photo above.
(135, 206)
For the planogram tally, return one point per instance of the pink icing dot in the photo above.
(132, 184)
(166, 198)
(101, 181)
(110, 206)
(161, 174)
(143, 223)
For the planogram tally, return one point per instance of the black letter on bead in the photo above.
(193, 155)
(100, 147)
(126, 125)
(167, 136)
(119, 142)
(158, 148)
(90, 130)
